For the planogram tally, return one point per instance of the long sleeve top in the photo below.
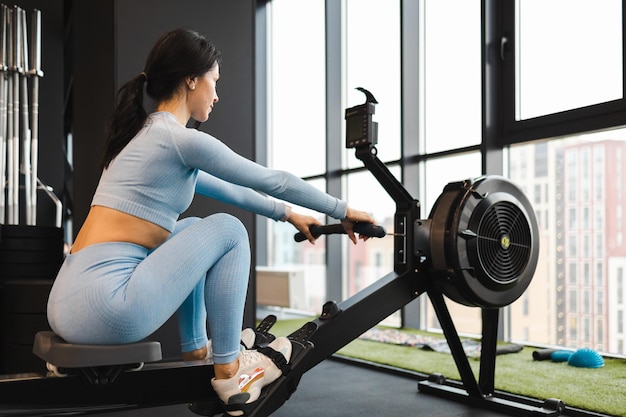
(157, 174)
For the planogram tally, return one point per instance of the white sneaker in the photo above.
(255, 372)
(248, 337)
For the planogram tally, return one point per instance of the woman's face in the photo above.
(203, 94)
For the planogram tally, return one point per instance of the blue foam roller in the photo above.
(561, 355)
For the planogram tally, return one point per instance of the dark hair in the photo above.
(178, 54)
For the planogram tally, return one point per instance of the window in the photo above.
(451, 80)
(573, 330)
(586, 302)
(368, 256)
(570, 55)
(599, 275)
(297, 68)
(572, 274)
(296, 81)
(620, 288)
(535, 113)
(572, 298)
(571, 218)
(584, 243)
(305, 261)
(572, 245)
(598, 172)
(600, 306)
(441, 171)
(381, 75)
(553, 84)
(541, 160)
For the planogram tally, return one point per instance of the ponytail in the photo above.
(127, 118)
(178, 54)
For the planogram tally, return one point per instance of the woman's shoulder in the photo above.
(162, 118)
(167, 120)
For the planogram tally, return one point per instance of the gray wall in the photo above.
(112, 39)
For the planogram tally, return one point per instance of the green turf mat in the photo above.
(602, 390)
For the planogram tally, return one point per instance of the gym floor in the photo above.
(335, 388)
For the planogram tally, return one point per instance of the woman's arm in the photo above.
(206, 153)
(242, 197)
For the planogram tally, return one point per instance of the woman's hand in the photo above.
(302, 223)
(353, 216)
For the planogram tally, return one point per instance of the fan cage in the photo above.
(504, 242)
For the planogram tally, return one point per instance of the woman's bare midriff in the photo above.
(105, 224)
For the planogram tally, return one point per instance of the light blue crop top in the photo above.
(156, 175)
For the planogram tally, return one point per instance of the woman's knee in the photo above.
(230, 226)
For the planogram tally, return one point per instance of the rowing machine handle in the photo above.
(365, 229)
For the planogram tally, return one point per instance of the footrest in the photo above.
(53, 349)
(263, 337)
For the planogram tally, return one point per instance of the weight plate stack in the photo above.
(30, 257)
(24, 305)
(30, 252)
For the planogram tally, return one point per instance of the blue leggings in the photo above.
(116, 292)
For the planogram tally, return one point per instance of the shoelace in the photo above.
(248, 356)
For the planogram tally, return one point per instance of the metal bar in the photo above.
(15, 138)
(356, 315)
(407, 208)
(360, 313)
(395, 189)
(35, 73)
(456, 347)
(25, 129)
(57, 203)
(10, 202)
(515, 407)
(3, 110)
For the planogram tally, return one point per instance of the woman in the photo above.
(134, 264)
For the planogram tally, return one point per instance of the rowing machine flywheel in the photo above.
(484, 242)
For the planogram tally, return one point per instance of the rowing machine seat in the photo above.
(53, 349)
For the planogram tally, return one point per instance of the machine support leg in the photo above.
(456, 347)
(488, 351)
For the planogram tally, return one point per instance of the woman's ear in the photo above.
(191, 83)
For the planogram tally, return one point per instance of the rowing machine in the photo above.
(479, 247)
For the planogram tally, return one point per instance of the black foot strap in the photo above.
(276, 357)
(280, 361)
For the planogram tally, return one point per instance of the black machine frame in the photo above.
(164, 383)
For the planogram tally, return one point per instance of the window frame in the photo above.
(584, 119)
(499, 127)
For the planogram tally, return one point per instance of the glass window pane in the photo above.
(452, 77)
(568, 54)
(306, 262)
(297, 86)
(373, 62)
(574, 298)
(440, 172)
(366, 262)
